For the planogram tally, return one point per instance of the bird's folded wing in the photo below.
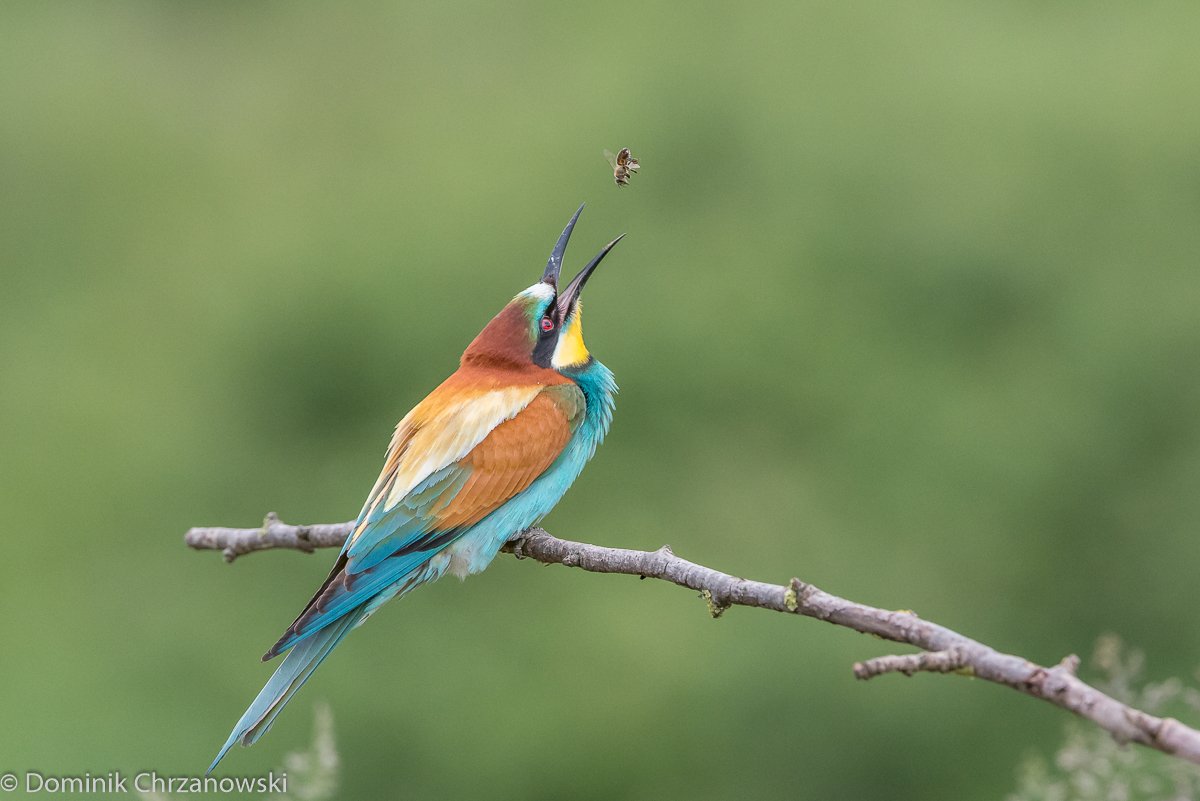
(459, 455)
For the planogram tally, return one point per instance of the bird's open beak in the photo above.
(569, 295)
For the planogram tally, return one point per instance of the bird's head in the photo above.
(542, 325)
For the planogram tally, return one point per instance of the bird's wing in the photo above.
(458, 456)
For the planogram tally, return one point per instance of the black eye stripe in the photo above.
(543, 350)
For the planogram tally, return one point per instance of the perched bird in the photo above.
(486, 455)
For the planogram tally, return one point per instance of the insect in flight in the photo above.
(623, 165)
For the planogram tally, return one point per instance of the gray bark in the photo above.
(941, 649)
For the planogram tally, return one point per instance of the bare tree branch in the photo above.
(945, 651)
(233, 542)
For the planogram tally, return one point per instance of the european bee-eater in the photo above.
(485, 456)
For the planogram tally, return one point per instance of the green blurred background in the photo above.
(908, 307)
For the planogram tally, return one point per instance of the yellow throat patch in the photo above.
(570, 350)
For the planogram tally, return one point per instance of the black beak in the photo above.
(554, 264)
(570, 293)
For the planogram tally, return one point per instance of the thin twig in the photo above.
(908, 664)
(945, 650)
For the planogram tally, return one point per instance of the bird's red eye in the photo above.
(547, 324)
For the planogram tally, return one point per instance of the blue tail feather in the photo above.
(291, 674)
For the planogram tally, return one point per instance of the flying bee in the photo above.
(623, 165)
